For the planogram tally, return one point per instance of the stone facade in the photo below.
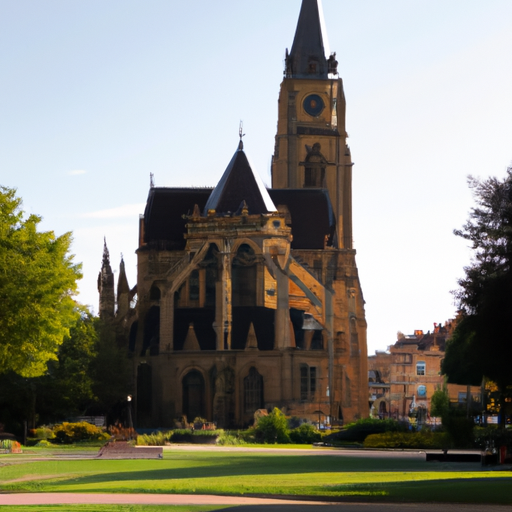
(405, 377)
(249, 298)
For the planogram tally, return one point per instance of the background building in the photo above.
(404, 378)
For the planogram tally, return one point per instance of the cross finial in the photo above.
(241, 134)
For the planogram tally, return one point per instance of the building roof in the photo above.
(240, 183)
(164, 224)
(308, 44)
(311, 216)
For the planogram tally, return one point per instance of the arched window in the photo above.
(244, 271)
(421, 368)
(152, 332)
(253, 391)
(193, 395)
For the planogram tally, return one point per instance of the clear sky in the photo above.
(95, 95)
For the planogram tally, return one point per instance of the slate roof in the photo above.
(164, 224)
(240, 183)
(312, 217)
(308, 43)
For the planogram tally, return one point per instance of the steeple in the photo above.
(123, 291)
(307, 58)
(106, 286)
(240, 184)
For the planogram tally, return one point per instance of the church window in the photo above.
(421, 368)
(193, 395)
(253, 391)
(193, 285)
(307, 382)
(152, 331)
(244, 273)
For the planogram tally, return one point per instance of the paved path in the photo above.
(238, 503)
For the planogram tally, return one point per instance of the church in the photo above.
(248, 297)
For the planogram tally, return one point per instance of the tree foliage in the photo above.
(37, 281)
(272, 428)
(483, 336)
(440, 402)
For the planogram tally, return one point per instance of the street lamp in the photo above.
(130, 422)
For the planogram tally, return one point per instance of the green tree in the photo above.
(483, 335)
(37, 281)
(67, 387)
(440, 403)
(111, 372)
(272, 428)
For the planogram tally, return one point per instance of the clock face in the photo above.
(313, 105)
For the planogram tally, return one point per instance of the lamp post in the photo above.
(130, 422)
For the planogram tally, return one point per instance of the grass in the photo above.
(268, 473)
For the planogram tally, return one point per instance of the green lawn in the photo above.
(254, 473)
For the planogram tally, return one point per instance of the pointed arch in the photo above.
(253, 391)
(193, 393)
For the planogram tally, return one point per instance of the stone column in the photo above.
(167, 321)
(223, 307)
(282, 318)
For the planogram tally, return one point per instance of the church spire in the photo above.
(307, 58)
(106, 285)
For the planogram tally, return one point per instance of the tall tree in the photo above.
(37, 281)
(483, 337)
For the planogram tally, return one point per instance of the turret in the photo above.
(106, 286)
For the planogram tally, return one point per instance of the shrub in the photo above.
(43, 443)
(153, 439)
(194, 436)
(358, 431)
(68, 433)
(42, 432)
(305, 434)
(272, 428)
(423, 439)
(230, 439)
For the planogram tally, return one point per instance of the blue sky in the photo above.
(95, 95)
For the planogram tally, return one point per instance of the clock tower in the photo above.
(310, 146)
